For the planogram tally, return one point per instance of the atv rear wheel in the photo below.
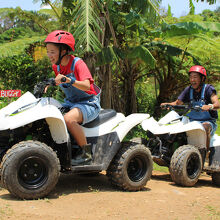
(216, 179)
(139, 141)
(186, 165)
(30, 170)
(131, 168)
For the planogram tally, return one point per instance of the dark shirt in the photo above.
(209, 90)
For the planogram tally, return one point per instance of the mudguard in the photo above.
(130, 121)
(28, 109)
(214, 162)
(196, 134)
(104, 128)
(119, 124)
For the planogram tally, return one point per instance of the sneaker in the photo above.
(84, 158)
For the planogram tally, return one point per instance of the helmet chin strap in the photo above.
(60, 57)
(202, 81)
(200, 86)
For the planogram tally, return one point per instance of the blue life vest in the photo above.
(199, 115)
(73, 94)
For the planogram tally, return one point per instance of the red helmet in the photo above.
(61, 37)
(198, 69)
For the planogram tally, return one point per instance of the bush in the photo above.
(146, 98)
(21, 72)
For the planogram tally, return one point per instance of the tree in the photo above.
(178, 47)
(120, 46)
(128, 56)
(18, 18)
(209, 1)
(192, 8)
(211, 16)
(119, 41)
(169, 14)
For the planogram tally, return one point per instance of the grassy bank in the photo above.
(16, 47)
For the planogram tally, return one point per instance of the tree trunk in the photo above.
(106, 87)
(129, 90)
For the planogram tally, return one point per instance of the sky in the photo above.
(182, 7)
(178, 7)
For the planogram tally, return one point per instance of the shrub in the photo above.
(21, 72)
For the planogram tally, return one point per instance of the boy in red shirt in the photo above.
(75, 79)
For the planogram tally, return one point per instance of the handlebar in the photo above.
(40, 87)
(63, 79)
(182, 107)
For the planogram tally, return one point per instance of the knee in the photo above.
(207, 127)
(69, 120)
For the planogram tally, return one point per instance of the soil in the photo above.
(83, 197)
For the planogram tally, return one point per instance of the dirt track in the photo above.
(77, 197)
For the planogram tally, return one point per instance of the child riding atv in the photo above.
(203, 95)
(75, 79)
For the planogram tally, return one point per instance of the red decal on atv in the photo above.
(10, 93)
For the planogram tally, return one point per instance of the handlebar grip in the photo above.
(63, 79)
(167, 106)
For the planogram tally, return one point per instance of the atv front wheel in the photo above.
(30, 170)
(216, 179)
(186, 165)
(131, 168)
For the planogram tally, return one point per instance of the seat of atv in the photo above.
(104, 115)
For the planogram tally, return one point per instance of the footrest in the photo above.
(91, 167)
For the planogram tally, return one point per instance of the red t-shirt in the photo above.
(81, 72)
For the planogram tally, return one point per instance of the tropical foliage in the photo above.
(124, 43)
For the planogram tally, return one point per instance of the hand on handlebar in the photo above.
(46, 88)
(60, 78)
(63, 79)
(41, 87)
(166, 106)
(206, 107)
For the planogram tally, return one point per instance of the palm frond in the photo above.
(191, 7)
(55, 5)
(87, 26)
(148, 8)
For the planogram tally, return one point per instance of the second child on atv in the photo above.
(202, 95)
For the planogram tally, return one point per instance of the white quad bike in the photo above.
(35, 147)
(180, 145)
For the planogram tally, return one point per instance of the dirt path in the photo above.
(77, 197)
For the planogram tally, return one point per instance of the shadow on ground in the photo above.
(75, 183)
(204, 180)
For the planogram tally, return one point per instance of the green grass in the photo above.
(218, 123)
(214, 212)
(18, 46)
(160, 168)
